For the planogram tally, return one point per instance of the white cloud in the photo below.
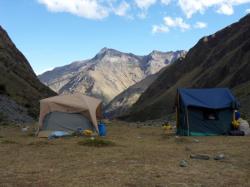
(176, 23)
(226, 9)
(200, 25)
(145, 4)
(248, 10)
(100, 9)
(142, 15)
(169, 23)
(159, 29)
(91, 9)
(122, 9)
(190, 7)
(165, 2)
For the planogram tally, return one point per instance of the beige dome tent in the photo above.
(69, 112)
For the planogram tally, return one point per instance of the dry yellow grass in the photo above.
(141, 157)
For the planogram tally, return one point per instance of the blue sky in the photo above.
(53, 33)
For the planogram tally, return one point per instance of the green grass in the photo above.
(96, 142)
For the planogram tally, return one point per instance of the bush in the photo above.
(3, 89)
(96, 142)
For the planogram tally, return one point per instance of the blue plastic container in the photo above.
(102, 129)
(237, 115)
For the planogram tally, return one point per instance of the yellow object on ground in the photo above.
(167, 127)
(235, 124)
(87, 132)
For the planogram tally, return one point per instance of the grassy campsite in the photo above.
(135, 155)
(119, 93)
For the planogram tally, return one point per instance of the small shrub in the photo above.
(31, 134)
(27, 105)
(2, 89)
(32, 112)
(96, 142)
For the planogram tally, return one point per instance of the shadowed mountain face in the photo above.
(18, 83)
(108, 74)
(218, 60)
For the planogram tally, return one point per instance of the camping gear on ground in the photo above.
(87, 132)
(235, 124)
(167, 128)
(203, 112)
(236, 133)
(69, 113)
(199, 156)
(58, 134)
(102, 129)
(237, 115)
(244, 126)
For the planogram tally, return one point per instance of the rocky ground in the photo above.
(12, 112)
(140, 156)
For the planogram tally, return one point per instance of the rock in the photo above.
(219, 157)
(196, 140)
(25, 129)
(13, 112)
(183, 163)
(199, 156)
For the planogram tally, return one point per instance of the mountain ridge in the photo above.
(108, 73)
(210, 63)
(20, 89)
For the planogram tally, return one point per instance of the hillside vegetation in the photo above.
(219, 60)
(18, 81)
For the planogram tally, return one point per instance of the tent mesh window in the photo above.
(210, 114)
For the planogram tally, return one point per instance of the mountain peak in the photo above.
(106, 49)
(107, 52)
(156, 52)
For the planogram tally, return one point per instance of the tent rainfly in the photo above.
(201, 112)
(69, 112)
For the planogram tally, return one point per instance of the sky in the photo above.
(52, 33)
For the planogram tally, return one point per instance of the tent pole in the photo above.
(187, 121)
(233, 115)
(177, 111)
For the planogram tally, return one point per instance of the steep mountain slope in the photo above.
(19, 86)
(122, 102)
(218, 60)
(107, 74)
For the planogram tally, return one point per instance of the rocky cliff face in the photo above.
(108, 74)
(18, 82)
(219, 60)
(124, 101)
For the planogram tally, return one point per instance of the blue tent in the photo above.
(205, 111)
